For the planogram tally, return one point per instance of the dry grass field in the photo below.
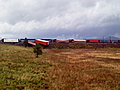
(84, 69)
(59, 69)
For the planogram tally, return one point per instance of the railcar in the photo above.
(62, 40)
(79, 40)
(31, 43)
(93, 41)
(31, 40)
(10, 41)
(42, 42)
(50, 40)
(109, 41)
(104, 41)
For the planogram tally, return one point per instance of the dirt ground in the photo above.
(83, 69)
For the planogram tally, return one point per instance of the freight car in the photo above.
(104, 41)
(31, 40)
(93, 41)
(42, 42)
(50, 40)
(109, 41)
(10, 41)
(62, 40)
(79, 40)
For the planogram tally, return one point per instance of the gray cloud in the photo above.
(59, 19)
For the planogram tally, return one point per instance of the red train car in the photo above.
(42, 42)
(32, 43)
(93, 41)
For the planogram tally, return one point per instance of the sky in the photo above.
(59, 18)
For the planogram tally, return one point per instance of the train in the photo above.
(46, 42)
(85, 41)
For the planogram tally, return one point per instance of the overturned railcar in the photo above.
(50, 40)
(42, 42)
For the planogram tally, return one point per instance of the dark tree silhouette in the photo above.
(26, 42)
(38, 50)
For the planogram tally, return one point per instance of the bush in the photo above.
(38, 50)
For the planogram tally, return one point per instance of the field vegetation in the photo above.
(21, 70)
(59, 69)
(84, 69)
(83, 45)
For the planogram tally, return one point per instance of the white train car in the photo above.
(79, 40)
(10, 40)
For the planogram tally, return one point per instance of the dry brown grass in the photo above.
(67, 69)
(83, 69)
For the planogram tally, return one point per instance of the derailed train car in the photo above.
(42, 42)
(46, 42)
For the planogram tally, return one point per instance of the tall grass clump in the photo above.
(20, 71)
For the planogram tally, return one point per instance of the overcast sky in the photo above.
(59, 18)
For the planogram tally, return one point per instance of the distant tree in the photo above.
(26, 42)
(38, 50)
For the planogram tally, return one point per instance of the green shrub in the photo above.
(38, 50)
